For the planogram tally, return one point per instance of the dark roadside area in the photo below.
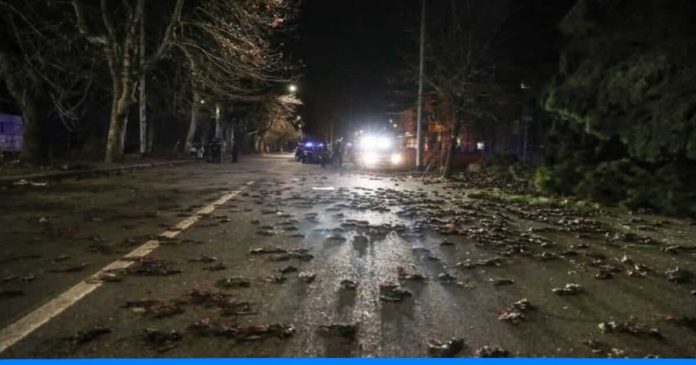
(13, 173)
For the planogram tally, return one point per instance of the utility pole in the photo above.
(143, 96)
(419, 108)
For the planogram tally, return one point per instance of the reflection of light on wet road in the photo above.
(324, 188)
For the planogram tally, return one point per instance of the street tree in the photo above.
(44, 68)
(458, 63)
(112, 29)
(230, 53)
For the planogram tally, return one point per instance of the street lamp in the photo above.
(292, 88)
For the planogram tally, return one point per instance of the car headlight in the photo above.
(309, 144)
(396, 158)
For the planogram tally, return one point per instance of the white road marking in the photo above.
(32, 321)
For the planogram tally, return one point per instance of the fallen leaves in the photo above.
(348, 284)
(631, 328)
(679, 275)
(233, 282)
(70, 268)
(568, 289)
(149, 266)
(85, 336)
(307, 276)
(390, 292)
(154, 308)
(488, 351)
(162, 340)
(347, 330)
(241, 333)
(445, 349)
(516, 312)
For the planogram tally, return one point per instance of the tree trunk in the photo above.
(120, 106)
(150, 136)
(227, 146)
(145, 137)
(236, 141)
(193, 123)
(447, 168)
(218, 121)
(25, 88)
(34, 149)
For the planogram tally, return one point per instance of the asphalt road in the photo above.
(352, 264)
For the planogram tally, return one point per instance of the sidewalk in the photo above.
(7, 178)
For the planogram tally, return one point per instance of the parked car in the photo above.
(311, 150)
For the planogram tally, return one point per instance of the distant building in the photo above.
(11, 132)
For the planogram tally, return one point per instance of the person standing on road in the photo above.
(337, 156)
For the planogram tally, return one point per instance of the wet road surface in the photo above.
(305, 261)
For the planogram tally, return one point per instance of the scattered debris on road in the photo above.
(347, 330)
(233, 282)
(150, 266)
(501, 281)
(254, 332)
(493, 352)
(679, 275)
(685, 321)
(405, 275)
(70, 268)
(204, 259)
(287, 269)
(267, 250)
(348, 284)
(445, 349)
(154, 308)
(515, 313)
(390, 292)
(85, 336)
(568, 289)
(307, 276)
(162, 340)
(635, 329)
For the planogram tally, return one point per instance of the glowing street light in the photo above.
(292, 88)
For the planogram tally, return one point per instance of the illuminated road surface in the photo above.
(327, 227)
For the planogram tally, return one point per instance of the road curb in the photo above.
(87, 173)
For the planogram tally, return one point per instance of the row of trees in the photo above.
(475, 63)
(615, 86)
(62, 57)
(624, 106)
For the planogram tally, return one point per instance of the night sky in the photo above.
(350, 49)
